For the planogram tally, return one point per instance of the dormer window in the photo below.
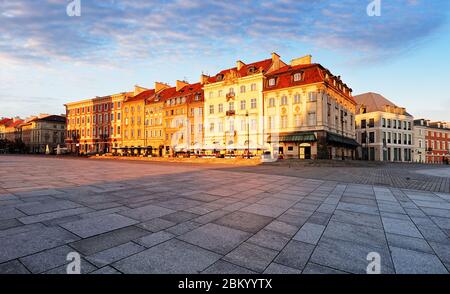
(272, 82)
(219, 78)
(252, 70)
(297, 77)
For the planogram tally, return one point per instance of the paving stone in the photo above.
(111, 239)
(156, 225)
(348, 256)
(360, 208)
(266, 210)
(355, 233)
(9, 223)
(179, 216)
(225, 268)
(414, 262)
(281, 227)
(147, 212)
(107, 270)
(53, 215)
(85, 268)
(171, 257)
(309, 233)
(94, 226)
(30, 242)
(244, 221)
(183, 228)
(13, 267)
(292, 219)
(154, 239)
(401, 227)
(54, 205)
(296, 254)
(211, 216)
(253, 257)
(316, 269)
(180, 203)
(108, 256)
(270, 239)
(442, 222)
(405, 242)
(47, 260)
(363, 219)
(21, 229)
(216, 238)
(278, 269)
(10, 213)
(443, 252)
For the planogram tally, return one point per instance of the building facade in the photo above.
(234, 110)
(44, 133)
(420, 147)
(309, 113)
(435, 139)
(94, 125)
(384, 130)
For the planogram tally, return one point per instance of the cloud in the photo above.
(116, 31)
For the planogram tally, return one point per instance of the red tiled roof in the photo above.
(141, 96)
(13, 124)
(312, 73)
(187, 91)
(264, 65)
(5, 121)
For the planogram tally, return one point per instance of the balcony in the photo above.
(231, 113)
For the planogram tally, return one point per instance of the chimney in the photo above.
(160, 86)
(138, 90)
(203, 79)
(239, 65)
(181, 84)
(307, 59)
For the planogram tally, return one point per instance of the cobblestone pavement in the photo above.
(132, 217)
(406, 176)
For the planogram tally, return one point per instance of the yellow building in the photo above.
(234, 111)
(133, 122)
(154, 120)
(309, 113)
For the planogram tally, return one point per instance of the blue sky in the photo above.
(48, 58)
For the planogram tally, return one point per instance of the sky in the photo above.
(48, 58)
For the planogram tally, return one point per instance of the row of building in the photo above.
(37, 134)
(290, 110)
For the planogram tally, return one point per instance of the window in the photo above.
(231, 106)
(220, 93)
(388, 123)
(220, 127)
(243, 105)
(298, 120)
(253, 103)
(243, 125)
(253, 124)
(297, 98)
(211, 127)
(272, 82)
(220, 108)
(253, 87)
(420, 143)
(272, 102)
(283, 100)
(211, 94)
(312, 96)
(311, 118)
(231, 91)
(372, 137)
(284, 121)
(363, 124)
(297, 77)
(211, 109)
(371, 123)
(383, 122)
(112, 116)
(118, 116)
(271, 122)
(243, 89)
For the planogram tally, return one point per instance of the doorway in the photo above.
(304, 151)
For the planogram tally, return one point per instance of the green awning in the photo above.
(298, 137)
(341, 140)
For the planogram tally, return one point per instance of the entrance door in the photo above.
(305, 152)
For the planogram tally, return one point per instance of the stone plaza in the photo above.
(153, 217)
